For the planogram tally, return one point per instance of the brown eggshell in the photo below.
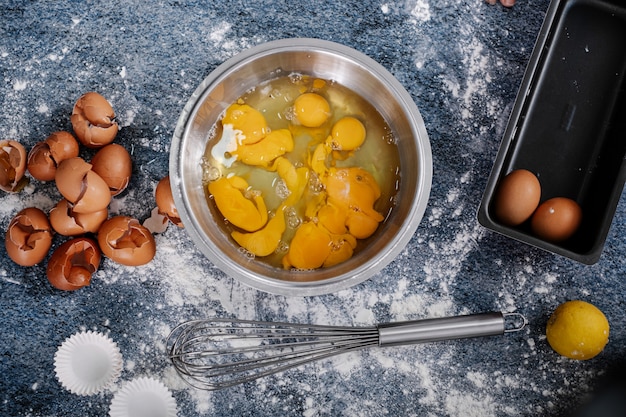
(556, 219)
(69, 223)
(45, 156)
(126, 241)
(165, 201)
(29, 237)
(82, 187)
(517, 197)
(12, 166)
(62, 145)
(40, 163)
(114, 165)
(93, 120)
(72, 264)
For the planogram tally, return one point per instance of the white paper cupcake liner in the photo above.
(87, 363)
(143, 397)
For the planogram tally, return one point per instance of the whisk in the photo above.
(216, 353)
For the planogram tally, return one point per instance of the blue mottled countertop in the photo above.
(462, 62)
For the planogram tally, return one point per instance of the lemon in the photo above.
(577, 330)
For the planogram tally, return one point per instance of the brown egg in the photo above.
(82, 187)
(45, 156)
(12, 166)
(67, 222)
(29, 237)
(113, 164)
(73, 263)
(93, 120)
(126, 241)
(517, 197)
(165, 201)
(556, 219)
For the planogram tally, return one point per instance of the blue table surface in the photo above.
(461, 61)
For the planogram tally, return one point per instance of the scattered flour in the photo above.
(19, 85)
(469, 405)
(421, 11)
(219, 32)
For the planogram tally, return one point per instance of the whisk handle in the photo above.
(437, 329)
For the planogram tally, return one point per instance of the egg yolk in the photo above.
(361, 225)
(265, 241)
(311, 109)
(354, 192)
(249, 214)
(309, 247)
(347, 134)
(342, 249)
(353, 188)
(266, 150)
(318, 83)
(333, 218)
(249, 121)
(295, 179)
(318, 160)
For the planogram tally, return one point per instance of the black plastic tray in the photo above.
(568, 125)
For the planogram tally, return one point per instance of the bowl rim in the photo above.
(391, 249)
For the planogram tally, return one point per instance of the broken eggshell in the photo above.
(29, 237)
(67, 222)
(45, 156)
(114, 165)
(12, 166)
(156, 223)
(81, 186)
(165, 201)
(126, 241)
(93, 120)
(73, 263)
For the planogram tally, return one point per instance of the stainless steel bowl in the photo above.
(326, 60)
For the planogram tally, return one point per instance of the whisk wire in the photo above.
(220, 353)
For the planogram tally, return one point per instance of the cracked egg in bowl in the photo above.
(300, 167)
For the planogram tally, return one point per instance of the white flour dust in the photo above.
(421, 11)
